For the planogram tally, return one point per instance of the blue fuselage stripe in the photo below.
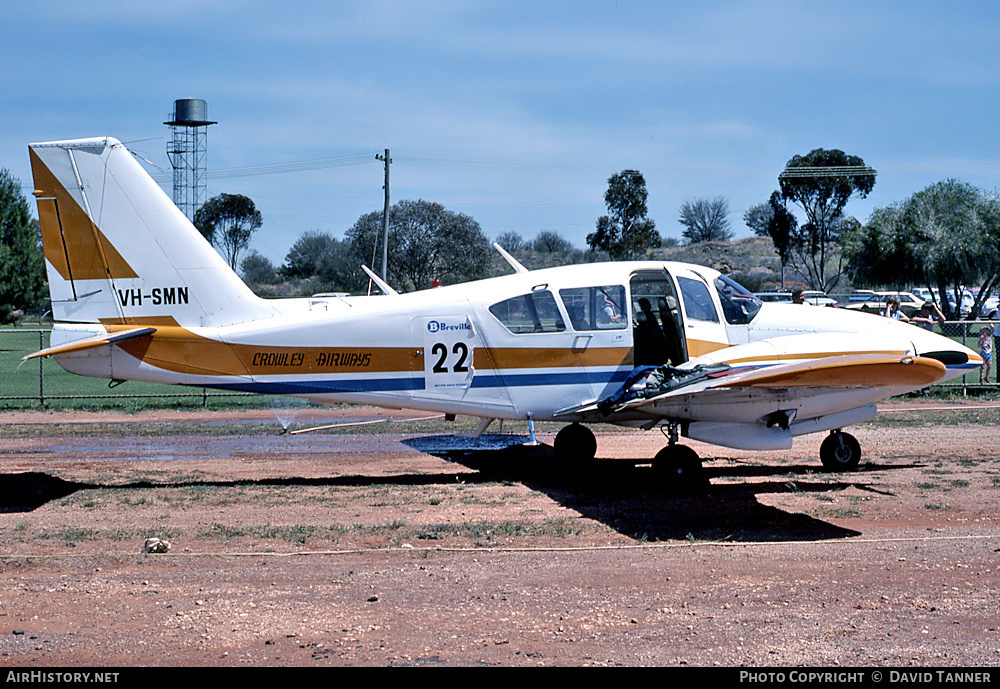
(413, 383)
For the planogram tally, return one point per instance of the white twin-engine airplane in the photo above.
(138, 294)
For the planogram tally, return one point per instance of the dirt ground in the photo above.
(396, 543)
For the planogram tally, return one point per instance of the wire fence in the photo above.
(968, 333)
(42, 383)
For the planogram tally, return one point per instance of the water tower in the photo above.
(187, 150)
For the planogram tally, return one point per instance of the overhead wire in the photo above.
(283, 168)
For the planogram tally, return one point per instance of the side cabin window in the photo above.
(596, 308)
(530, 313)
(697, 300)
(738, 305)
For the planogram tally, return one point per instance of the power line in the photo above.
(283, 168)
(828, 171)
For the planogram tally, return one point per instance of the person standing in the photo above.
(986, 352)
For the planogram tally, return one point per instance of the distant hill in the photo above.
(752, 261)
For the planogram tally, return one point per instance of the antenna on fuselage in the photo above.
(382, 284)
(514, 263)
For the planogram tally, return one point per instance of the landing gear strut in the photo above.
(840, 452)
(678, 466)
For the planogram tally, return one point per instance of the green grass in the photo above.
(295, 533)
(43, 379)
(919, 418)
(835, 513)
(70, 535)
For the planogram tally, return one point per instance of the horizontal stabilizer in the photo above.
(92, 342)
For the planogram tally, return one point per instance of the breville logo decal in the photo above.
(438, 326)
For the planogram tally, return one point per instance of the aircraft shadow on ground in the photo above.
(625, 497)
(27, 491)
(633, 501)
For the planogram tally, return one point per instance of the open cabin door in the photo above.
(657, 326)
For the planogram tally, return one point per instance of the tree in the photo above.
(757, 218)
(22, 267)
(706, 220)
(329, 262)
(944, 236)
(228, 221)
(821, 183)
(512, 242)
(338, 271)
(625, 232)
(781, 228)
(551, 242)
(257, 269)
(306, 255)
(426, 242)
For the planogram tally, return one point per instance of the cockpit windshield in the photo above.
(738, 304)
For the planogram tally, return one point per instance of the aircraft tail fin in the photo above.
(117, 249)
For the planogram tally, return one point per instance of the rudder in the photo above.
(117, 249)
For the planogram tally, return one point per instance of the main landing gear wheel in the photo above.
(840, 452)
(679, 468)
(576, 444)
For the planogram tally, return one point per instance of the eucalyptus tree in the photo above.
(625, 232)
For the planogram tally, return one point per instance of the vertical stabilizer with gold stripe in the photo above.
(82, 264)
(118, 250)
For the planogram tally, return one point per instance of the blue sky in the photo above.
(514, 113)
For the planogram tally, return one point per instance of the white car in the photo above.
(780, 297)
(818, 298)
(909, 304)
(965, 308)
(991, 308)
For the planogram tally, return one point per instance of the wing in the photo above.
(763, 406)
(888, 371)
(721, 384)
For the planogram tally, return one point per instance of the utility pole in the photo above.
(385, 217)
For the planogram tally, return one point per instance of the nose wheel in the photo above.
(678, 467)
(575, 444)
(840, 452)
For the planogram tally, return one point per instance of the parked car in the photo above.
(965, 306)
(818, 298)
(779, 297)
(989, 309)
(909, 304)
(860, 295)
(810, 296)
(965, 302)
